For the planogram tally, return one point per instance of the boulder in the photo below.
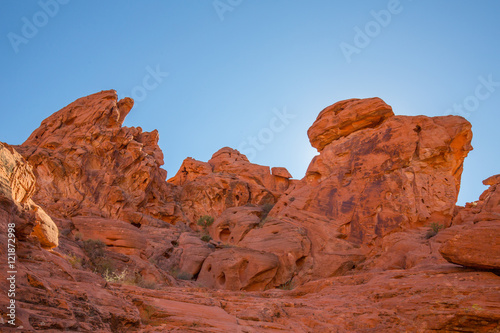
(238, 269)
(476, 246)
(194, 253)
(119, 236)
(345, 117)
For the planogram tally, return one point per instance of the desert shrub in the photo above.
(147, 284)
(184, 276)
(205, 221)
(98, 261)
(76, 262)
(178, 274)
(434, 229)
(94, 248)
(112, 276)
(206, 238)
(289, 285)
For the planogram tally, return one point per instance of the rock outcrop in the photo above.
(17, 186)
(384, 174)
(346, 117)
(227, 180)
(370, 240)
(86, 163)
(238, 269)
(476, 241)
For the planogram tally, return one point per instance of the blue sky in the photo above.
(254, 74)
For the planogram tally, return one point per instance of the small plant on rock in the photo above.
(289, 285)
(206, 238)
(434, 229)
(205, 221)
(98, 261)
(76, 262)
(111, 276)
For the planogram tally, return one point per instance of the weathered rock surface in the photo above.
(476, 238)
(477, 246)
(351, 239)
(403, 173)
(227, 180)
(17, 186)
(238, 269)
(86, 163)
(345, 117)
(194, 253)
(119, 236)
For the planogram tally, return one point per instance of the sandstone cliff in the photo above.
(370, 240)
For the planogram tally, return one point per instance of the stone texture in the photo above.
(477, 246)
(227, 180)
(476, 235)
(17, 186)
(404, 173)
(281, 172)
(343, 250)
(86, 163)
(194, 253)
(238, 269)
(345, 117)
(119, 236)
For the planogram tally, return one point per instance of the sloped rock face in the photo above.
(351, 238)
(476, 238)
(17, 186)
(86, 163)
(477, 246)
(119, 236)
(239, 269)
(389, 174)
(227, 180)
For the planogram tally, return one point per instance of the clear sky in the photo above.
(254, 74)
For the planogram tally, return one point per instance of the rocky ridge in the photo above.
(369, 240)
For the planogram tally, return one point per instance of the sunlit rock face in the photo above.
(370, 240)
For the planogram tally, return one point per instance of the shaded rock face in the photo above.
(119, 236)
(86, 163)
(351, 238)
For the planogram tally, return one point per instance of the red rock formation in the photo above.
(86, 163)
(345, 117)
(238, 269)
(119, 236)
(17, 185)
(349, 245)
(476, 238)
(385, 174)
(477, 246)
(227, 180)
